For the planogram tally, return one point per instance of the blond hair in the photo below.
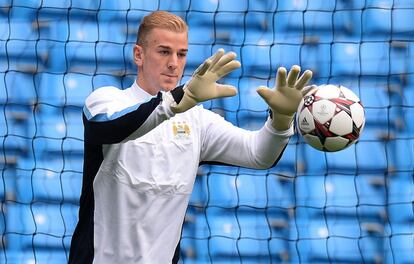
(162, 20)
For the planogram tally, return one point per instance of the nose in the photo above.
(173, 62)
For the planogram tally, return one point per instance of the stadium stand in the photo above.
(353, 206)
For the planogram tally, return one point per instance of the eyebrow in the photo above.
(167, 47)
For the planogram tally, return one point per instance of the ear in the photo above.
(138, 55)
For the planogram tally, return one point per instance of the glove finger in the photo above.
(265, 93)
(229, 67)
(293, 75)
(281, 77)
(304, 79)
(224, 90)
(216, 57)
(226, 58)
(201, 70)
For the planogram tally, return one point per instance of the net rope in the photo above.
(353, 206)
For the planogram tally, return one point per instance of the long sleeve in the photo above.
(111, 115)
(225, 143)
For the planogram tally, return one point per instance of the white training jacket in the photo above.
(140, 165)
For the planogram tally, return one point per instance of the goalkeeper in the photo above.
(143, 146)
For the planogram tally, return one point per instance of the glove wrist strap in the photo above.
(282, 122)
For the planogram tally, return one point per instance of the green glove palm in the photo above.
(202, 85)
(285, 98)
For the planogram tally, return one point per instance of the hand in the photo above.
(285, 98)
(202, 85)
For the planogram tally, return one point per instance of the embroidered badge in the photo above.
(181, 130)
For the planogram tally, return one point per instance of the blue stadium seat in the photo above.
(229, 105)
(377, 102)
(261, 59)
(88, 4)
(252, 37)
(373, 54)
(20, 88)
(373, 153)
(303, 5)
(200, 191)
(204, 35)
(399, 244)
(49, 180)
(401, 199)
(285, 55)
(20, 55)
(222, 231)
(316, 57)
(13, 28)
(14, 131)
(231, 235)
(49, 9)
(377, 22)
(71, 89)
(168, 5)
(41, 226)
(387, 21)
(18, 9)
(387, 4)
(408, 110)
(402, 151)
(249, 188)
(345, 59)
(346, 195)
(247, 104)
(57, 133)
(225, 193)
(369, 58)
(255, 231)
(5, 3)
(22, 44)
(7, 179)
(339, 241)
(226, 14)
(257, 60)
(134, 11)
(321, 20)
(38, 256)
(81, 47)
(369, 155)
(209, 30)
(3, 242)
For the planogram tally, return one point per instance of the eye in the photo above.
(164, 52)
(182, 54)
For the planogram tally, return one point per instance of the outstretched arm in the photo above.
(260, 149)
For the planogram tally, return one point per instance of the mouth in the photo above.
(170, 75)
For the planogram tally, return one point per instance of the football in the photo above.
(330, 117)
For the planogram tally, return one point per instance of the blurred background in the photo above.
(352, 206)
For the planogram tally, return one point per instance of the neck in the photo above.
(141, 83)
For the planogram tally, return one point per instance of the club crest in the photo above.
(181, 130)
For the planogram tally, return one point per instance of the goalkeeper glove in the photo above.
(285, 98)
(202, 85)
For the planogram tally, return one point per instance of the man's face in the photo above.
(161, 61)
